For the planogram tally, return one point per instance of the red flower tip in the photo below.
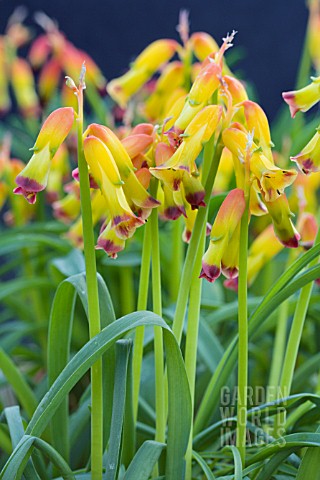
(210, 272)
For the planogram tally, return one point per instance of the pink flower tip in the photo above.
(289, 98)
(210, 272)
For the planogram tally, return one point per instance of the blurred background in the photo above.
(267, 48)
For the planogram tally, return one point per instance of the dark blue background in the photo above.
(271, 33)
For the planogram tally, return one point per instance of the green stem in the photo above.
(243, 319)
(192, 341)
(176, 259)
(212, 153)
(157, 308)
(243, 335)
(294, 342)
(93, 302)
(127, 290)
(142, 305)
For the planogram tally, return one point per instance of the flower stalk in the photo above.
(142, 305)
(92, 294)
(243, 313)
(158, 337)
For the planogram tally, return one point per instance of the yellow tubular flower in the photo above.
(135, 193)
(204, 86)
(308, 160)
(198, 132)
(49, 79)
(236, 89)
(189, 220)
(171, 78)
(24, 87)
(107, 176)
(99, 211)
(272, 180)
(224, 227)
(303, 99)
(34, 176)
(203, 45)
(172, 203)
(281, 218)
(264, 247)
(59, 168)
(230, 258)
(109, 241)
(142, 69)
(307, 226)
(256, 121)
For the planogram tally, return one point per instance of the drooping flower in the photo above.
(109, 241)
(307, 226)
(236, 89)
(308, 160)
(142, 69)
(281, 218)
(305, 98)
(271, 179)
(24, 87)
(264, 247)
(204, 86)
(198, 132)
(257, 122)
(136, 194)
(106, 174)
(203, 45)
(34, 176)
(171, 78)
(49, 79)
(223, 229)
(189, 221)
(180, 168)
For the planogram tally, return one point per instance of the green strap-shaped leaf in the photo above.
(268, 470)
(59, 338)
(281, 290)
(204, 466)
(14, 287)
(179, 402)
(293, 440)
(16, 463)
(144, 460)
(16, 430)
(310, 464)
(237, 462)
(12, 242)
(18, 384)
(119, 398)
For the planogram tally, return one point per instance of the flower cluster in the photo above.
(185, 107)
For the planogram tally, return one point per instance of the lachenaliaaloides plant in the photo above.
(197, 118)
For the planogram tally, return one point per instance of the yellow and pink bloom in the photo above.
(34, 176)
(223, 229)
(305, 98)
